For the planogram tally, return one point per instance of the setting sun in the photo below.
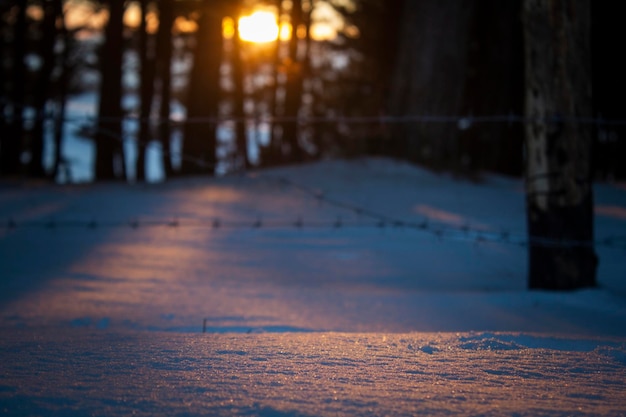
(259, 27)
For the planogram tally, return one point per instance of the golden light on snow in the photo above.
(259, 27)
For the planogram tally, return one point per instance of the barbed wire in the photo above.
(440, 230)
(463, 232)
(436, 229)
(377, 220)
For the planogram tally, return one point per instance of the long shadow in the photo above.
(33, 250)
(46, 229)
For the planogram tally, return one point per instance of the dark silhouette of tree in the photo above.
(147, 59)
(203, 103)
(609, 88)
(494, 86)
(459, 58)
(39, 58)
(293, 89)
(4, 75)
(164, 68)
(11, 145)
(307, 73)
(62, 94)
(110, 162)
(243, 159)
(52, 10)
(430, 77)
(363, 88)
(558, 147)
(272, 153)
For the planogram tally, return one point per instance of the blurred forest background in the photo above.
(435, 82)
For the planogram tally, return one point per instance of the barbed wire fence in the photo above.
(440, 230)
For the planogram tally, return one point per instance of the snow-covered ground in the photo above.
(363, 287)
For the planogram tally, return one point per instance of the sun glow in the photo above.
(259, 27)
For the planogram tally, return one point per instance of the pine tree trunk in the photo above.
(147, 62)
(3, 93)
(558, 147)
(272, 154)
(42, 88)
(429, 77)
(109, 145)
(63, 85)
(13, 138)
(239, 112)
(200, 140)
(494, 86)
(164, 63)
(293, 93)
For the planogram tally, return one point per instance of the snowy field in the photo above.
(364, 287)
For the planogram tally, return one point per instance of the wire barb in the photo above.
(440, 231)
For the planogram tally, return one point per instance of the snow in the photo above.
(359, 287)
(290, 374)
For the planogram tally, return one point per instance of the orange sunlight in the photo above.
(259, 27)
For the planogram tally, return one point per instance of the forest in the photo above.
(439, 83)
(526, 88)
(300, 208)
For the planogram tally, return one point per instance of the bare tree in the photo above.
(429, 77)
(147, 61)
(164, 67)
(558, 146)
(243, 159)
(494, 86)
(200, 139)
(293, 94)
(109, 149)
(12, 140)
(272, 153)
(62, 91)
(52, 10)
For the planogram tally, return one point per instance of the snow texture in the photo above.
(363, 287)
(311, 374)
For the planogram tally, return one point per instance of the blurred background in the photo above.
(148, 90)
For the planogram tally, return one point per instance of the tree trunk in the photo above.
(63, 83)
(200, 140)
(109, 145)
(12, 141)
(164, 64)
(306, 76)
(429, 77)
(4, 75)
(243, 160)
(558, 147)
(293, 95)
(147, 62)
(51, 10)
(272, 154)
(609, 88)
(494, 86)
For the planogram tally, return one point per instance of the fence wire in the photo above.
(435, 229)
(376, 220)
